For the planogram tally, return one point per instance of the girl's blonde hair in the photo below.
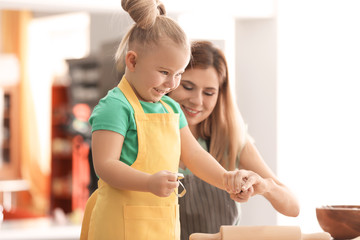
(151, 25)
(224, 129)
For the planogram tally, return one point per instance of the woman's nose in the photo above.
(196, 98)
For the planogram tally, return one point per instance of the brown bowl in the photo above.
(341, 221)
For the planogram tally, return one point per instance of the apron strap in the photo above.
(168, 108)
(132, 98)
(130, 95)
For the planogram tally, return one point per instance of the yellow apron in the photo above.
(131, 215)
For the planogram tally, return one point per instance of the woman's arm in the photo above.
(264, 182)
(106, 149)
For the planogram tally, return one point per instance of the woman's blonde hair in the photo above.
(224, 129)
(151, 25)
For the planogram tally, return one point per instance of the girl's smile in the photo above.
(162, 92)
(157, 70)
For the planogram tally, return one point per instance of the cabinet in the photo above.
(69, 161)
(92, 77)
(9, 140)
(85, 80)
(61, 150)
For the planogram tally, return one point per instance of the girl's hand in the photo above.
(243, 196)
(243, 184)
(163, 183)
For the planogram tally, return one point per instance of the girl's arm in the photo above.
(199, 161)
(261, 180)
(106, 149)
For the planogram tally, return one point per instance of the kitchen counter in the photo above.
(38, 229)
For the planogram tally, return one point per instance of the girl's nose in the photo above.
(172, 82)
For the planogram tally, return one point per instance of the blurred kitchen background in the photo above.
(295, 71)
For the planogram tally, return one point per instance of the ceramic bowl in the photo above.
(341, 221)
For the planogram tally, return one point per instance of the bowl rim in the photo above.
(340, 207)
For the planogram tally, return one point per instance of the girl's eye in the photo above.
(164, 72)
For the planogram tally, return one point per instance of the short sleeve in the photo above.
(111, 114)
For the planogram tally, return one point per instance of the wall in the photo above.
(297, 88)
(107, 27)
(256, 98)
(1, 47)
(318, 107)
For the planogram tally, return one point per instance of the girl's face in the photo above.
(158, 70)
(197, 94)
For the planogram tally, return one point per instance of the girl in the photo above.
(205, 98)
(139, 134)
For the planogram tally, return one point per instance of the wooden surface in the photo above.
(260, 233)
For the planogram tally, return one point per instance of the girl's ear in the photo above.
(130, 60)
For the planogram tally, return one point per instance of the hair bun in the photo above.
(124, 5)
(161, 8)
(143, 12)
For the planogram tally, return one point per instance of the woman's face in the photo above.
(197, 94)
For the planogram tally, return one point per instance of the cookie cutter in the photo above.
(183, 192)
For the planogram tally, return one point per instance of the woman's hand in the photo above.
(163, 183)
(243, 184)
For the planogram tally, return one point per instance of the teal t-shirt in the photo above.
(114, 113)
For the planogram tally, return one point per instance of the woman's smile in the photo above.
(190, 111)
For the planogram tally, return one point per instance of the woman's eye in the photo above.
(164, 72)
(209, 93)
(186, 87)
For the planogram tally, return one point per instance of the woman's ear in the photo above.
(130, 60)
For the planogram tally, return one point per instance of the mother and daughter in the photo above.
(140, 133)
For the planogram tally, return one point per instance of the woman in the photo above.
(213, 118)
